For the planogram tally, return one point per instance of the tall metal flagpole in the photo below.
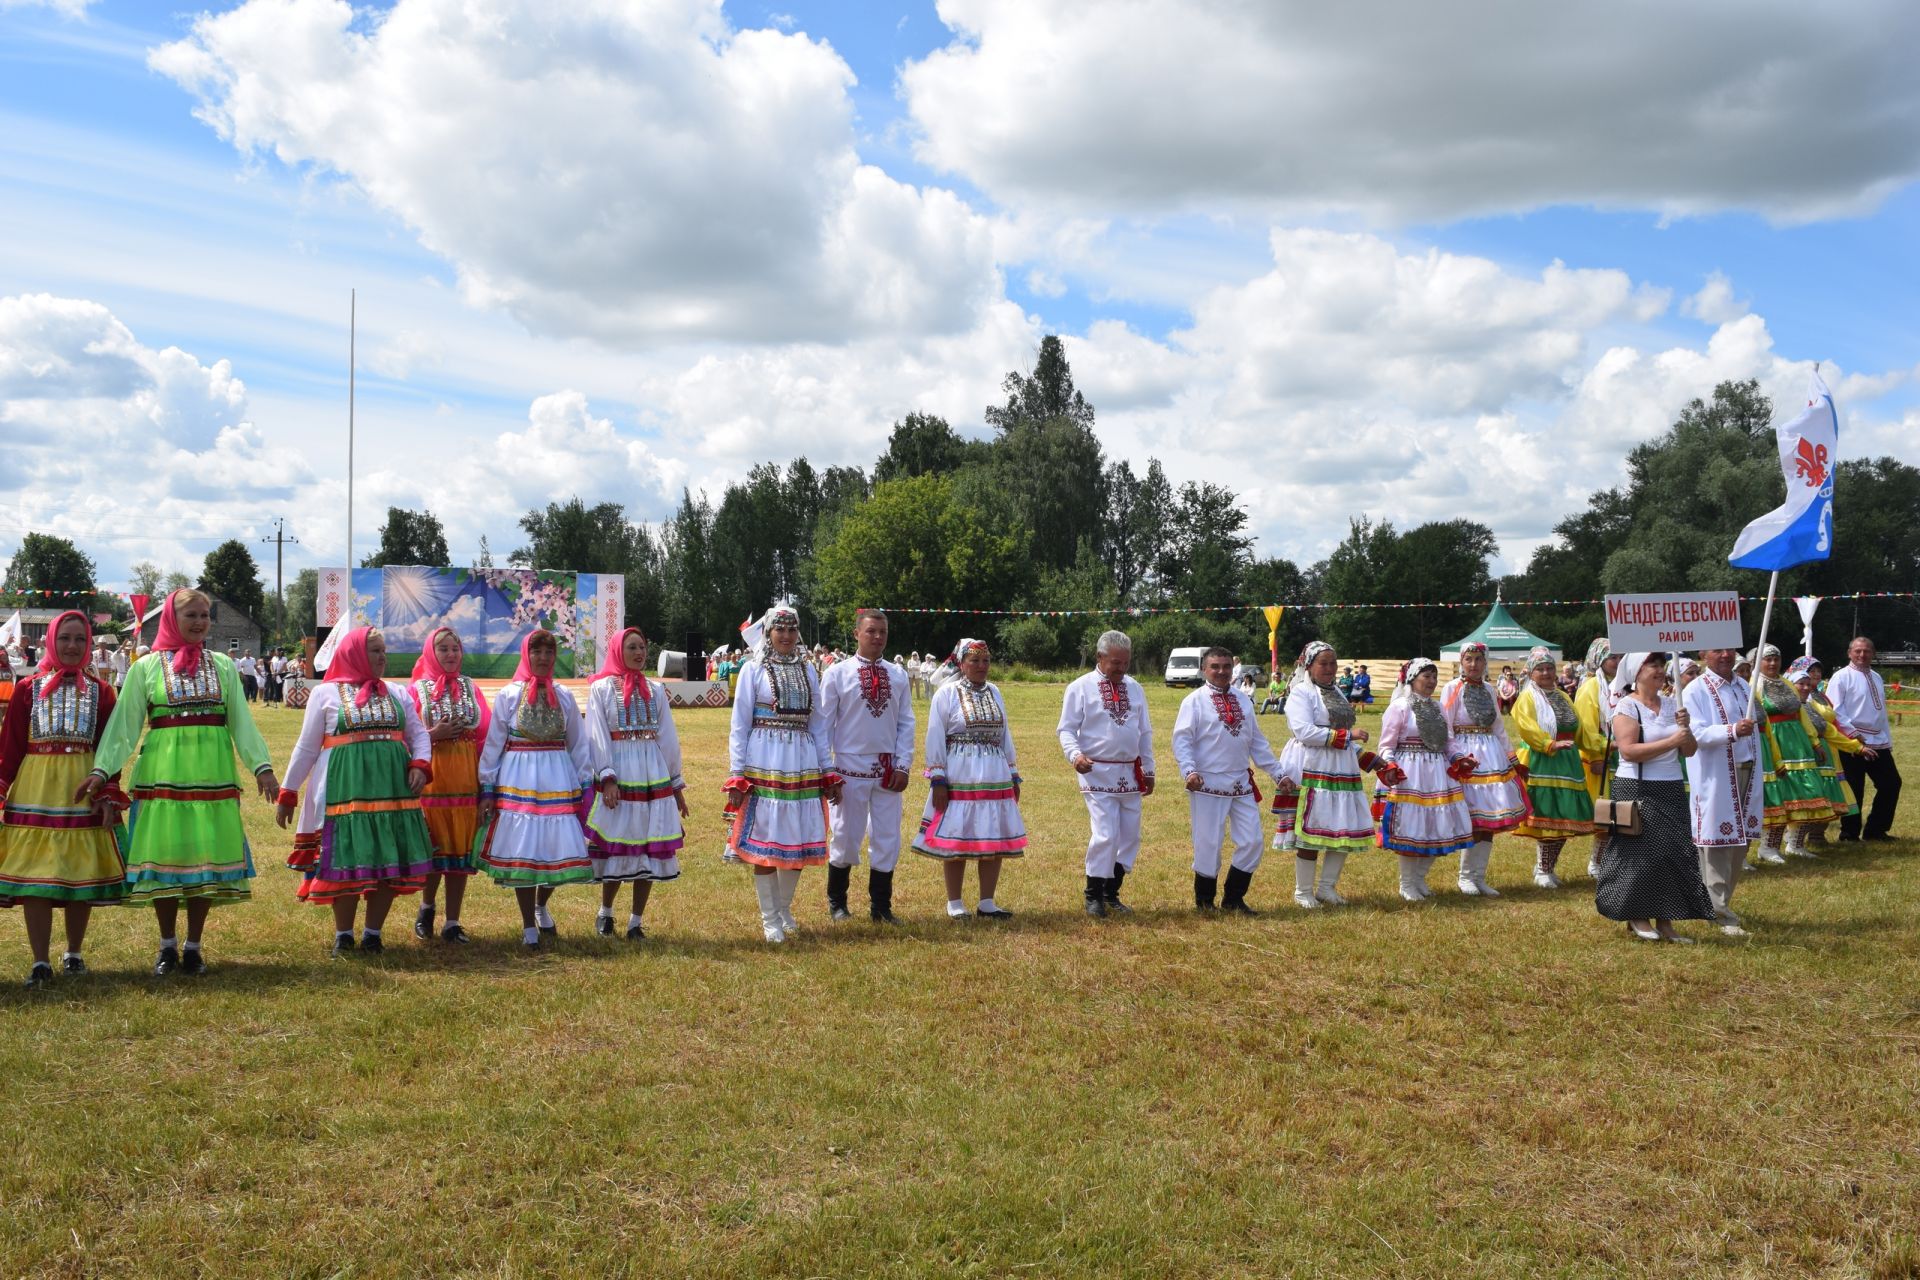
(353, 306)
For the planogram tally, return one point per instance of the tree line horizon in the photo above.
(1037, 517)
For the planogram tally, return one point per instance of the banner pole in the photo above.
(1766, 616)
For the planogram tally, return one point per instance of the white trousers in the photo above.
(1114, 831)
(1217, 817)
(1720, 866)
(868, 810)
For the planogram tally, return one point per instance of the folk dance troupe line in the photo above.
(394, 790)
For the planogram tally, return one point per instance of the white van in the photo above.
(1183, 667)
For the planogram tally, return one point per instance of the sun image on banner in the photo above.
(491, 610)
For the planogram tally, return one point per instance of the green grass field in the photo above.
(1499, 1088)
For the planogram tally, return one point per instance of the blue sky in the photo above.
(892, 210)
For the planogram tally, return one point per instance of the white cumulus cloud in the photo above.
(614, 170)
(1412, 112)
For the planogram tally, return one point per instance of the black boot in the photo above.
(423, 922)
(1234, 898)
(1097, 897)
(837, 880)
(1114, 905)
(880, 890)
(1203, 887)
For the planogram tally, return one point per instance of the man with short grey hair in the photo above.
(1859, 698)
(1107, 737)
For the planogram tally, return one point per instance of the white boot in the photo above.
(1421, 873)
(1303, 869)
(767, 891)
(1329, 890)
(1468, 884)
(1593, 859)
(1410, 889)
(1482, 854)
(1545, 862)
(1797, 842)
(788, 879)
(1769, 851)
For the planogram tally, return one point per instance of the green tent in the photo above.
(1505, 639)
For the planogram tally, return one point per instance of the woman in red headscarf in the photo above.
(368, 757)
(533, 772)
(457, 719)
(184, 839)
(53, 849)
(633, 830)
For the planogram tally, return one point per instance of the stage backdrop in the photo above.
(491, 610)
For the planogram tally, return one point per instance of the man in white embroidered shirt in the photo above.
(1216, 743)
(1107, 737)
(1859, 698)
(1723, 782)
(868, 706)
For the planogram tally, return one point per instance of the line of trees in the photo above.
(1030, 514)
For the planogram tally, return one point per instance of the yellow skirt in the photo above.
(52, 848)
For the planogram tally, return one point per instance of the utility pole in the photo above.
(279, 540)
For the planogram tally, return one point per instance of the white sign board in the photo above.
(331, 602)
(1690, 620)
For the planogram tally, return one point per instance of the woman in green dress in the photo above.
(184, 839)
(365, 757)
(1796, 794)
(1559, 807)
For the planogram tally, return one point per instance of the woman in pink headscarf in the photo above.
(54, 851)
(533, 771)
(457, 720)
(367, 756)
(184, 839)
(633, 829)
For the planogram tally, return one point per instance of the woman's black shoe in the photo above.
(635, 933)
(549, 930)
(191, 961)
(998, 913)
(454, 933)
(342, 943)
(603, 925)
(40, 975)
(168, 962)
(372, 944)
(423, 923)
(73, 964)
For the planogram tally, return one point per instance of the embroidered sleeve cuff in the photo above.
(265, 768)
(737, 784)
(424, 766)
(608, 775)
(289, 797)
(1368, 761)
(936, 779)
(1339, 741)
(831, 779)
